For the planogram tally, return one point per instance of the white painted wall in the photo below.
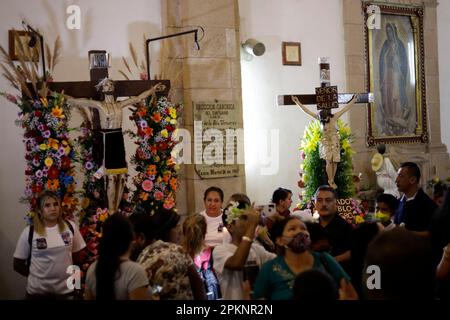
(107, 25)
(318, 26)
(443, 21)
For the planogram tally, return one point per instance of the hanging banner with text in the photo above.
(219, 139)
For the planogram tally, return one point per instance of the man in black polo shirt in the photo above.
(416, 208)
(337, 229)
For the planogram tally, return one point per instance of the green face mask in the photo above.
(382, 216)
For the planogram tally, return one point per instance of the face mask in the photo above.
(382, 216)
(299, 243)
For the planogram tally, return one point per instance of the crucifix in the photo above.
(327, 98)
(108, 149)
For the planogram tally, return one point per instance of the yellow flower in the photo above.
(85, 203)
(44, 102)
(173, 121)
(43, 146)
(67, 150)
(173, 112)
(164, 133)
(167, 119)
(359, 219)
(53, 143)
(103, 217)
(57, 112)
(48, 161)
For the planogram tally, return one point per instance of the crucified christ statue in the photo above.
(109, 152)
(329, 146)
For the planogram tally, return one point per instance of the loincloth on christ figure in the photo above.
(330, 148)
(109, 151)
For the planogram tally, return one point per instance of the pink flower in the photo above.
(147, 185)
(159, 195)
(169, 203)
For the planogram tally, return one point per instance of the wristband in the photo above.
(245, 238)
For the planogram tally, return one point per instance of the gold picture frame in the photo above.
(396, 75)
(291, 54)
(24, 37)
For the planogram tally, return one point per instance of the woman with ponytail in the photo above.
(113, 276)
(194, 231)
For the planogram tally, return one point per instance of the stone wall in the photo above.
(213, 73)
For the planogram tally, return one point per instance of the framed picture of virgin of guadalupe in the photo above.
(396, 74)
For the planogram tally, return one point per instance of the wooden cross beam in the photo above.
(326, 97)
(99, 63)
(343, 98)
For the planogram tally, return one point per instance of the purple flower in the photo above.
(36, 163)
(28, 191)
(41, 127)
(143, 124)
(39, 174)
(46, 134)
(89, 165)
(61, 151)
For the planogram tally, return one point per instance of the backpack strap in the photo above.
(70, 227)
(30, 238)
(30, 243)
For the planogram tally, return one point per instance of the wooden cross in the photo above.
(326, 97)
(99, 63)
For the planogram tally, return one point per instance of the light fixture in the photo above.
(251, 48)
(254, 47)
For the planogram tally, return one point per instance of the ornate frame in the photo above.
(291, 53)
(398, 113)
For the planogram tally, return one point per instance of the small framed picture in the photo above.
(27, 40)
(292, 55)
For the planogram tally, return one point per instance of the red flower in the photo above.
(65, 163)
(53, 172)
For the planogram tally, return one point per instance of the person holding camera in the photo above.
(231, 259)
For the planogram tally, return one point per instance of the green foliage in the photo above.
(313, 167)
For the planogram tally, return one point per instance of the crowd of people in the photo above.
(233, 251)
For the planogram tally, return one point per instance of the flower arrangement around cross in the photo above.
(49, 154)
(156, 182)
(313, 174)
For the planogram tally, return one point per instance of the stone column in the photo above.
(432, 157)
(211, 74)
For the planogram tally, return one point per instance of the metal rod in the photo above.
(147, 43)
